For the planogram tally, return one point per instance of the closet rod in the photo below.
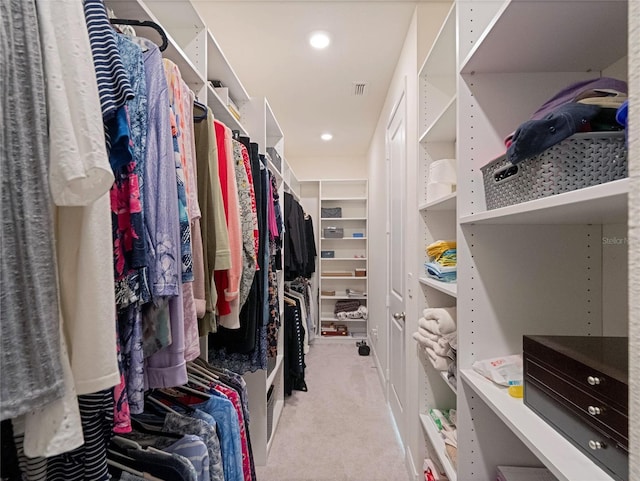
(144, 23)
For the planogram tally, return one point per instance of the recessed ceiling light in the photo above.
(319, 40)
(326, 136)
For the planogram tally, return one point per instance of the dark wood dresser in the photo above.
(579, 385)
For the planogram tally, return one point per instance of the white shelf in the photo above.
(600, 204)
(441, 59)
(343, 259)
(344, 277)
(340, 321)
(363, 298)
(443, 128)
(277, 412)
(445, 376)
(344, 198)
(331, 219)
(219, 68)
(341, 238)
(437, 442)
(558, 455)
(448, 202)
(274, 373)
(138, 10)
(274, 170)
(221, 112)
(450, 288)
(499, 48)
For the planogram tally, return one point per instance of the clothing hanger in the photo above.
(144, 23)
(123, 467)
(150, 429)
(203, 107)
(124, 442)
(161, 405)
(214, 370)
(197, 368)
(195, 392)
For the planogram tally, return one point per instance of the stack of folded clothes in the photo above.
(585, 106)
(350, 309)
(442, 263)
(436, 333)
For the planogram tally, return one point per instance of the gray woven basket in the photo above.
(582, 160)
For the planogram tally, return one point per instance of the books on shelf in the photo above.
(333, 329)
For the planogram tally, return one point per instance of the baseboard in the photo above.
(381, 371)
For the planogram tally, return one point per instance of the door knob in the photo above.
(398, 316)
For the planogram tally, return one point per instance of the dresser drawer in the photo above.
(597, 365)
(599, 447)
(589, 408)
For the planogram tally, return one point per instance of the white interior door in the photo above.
(396, 148)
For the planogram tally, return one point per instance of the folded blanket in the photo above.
(440, 320)
(439, 362)
(346, 305)
(360, 313)
(434, 345)
(428, 334)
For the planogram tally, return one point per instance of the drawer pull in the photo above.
(595, 445)
(594, 410)
(593, 380)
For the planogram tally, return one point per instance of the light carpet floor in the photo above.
(341, 429)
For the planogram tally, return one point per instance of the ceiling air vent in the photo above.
(359, 89)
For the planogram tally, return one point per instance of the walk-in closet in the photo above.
(320, 240)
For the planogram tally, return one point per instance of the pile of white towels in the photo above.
(437, 334)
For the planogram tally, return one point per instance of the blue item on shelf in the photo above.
(440, 272)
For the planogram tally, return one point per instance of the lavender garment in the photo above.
(167, 367)
(160, 192)
(29, 334)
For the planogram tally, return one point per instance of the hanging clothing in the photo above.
(113, 82)
(90, 460)
(227, 281)
(294, 365)
(28, 281)
(215, 237)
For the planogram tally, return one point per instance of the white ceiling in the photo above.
(311, 91)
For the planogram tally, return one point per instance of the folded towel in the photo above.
(426, 333)
(439, 362)
(439, 320)
(433, 345)
(452, 339)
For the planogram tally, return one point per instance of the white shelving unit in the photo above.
(431, 431)
(509, 280)
(350, 252)
(194, 49)
(437, 218)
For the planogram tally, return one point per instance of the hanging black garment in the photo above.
(294, 238)
(310, 248)
(294, 365)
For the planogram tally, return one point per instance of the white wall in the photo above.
(424, 27)
(329, 168)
